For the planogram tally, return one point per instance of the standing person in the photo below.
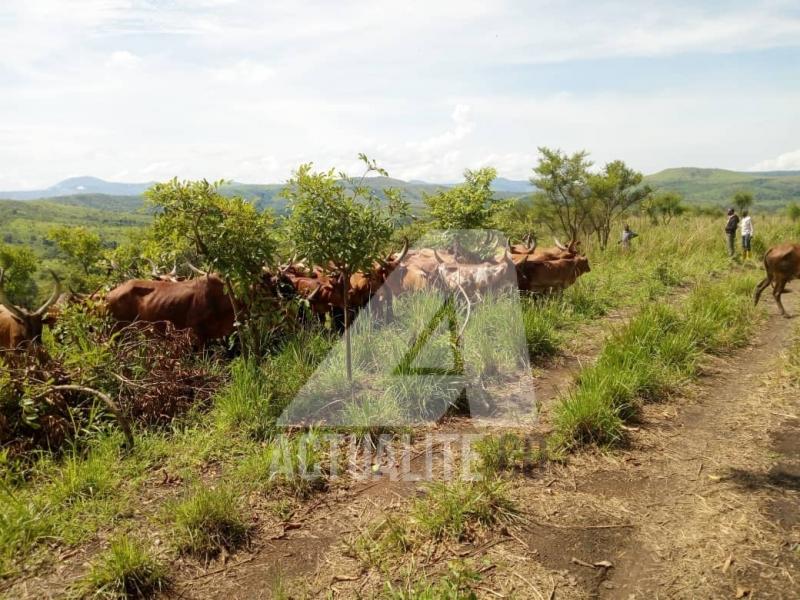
(747, 234)
(730, 230)
(627, 236)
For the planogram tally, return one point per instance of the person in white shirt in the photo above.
(747, 234)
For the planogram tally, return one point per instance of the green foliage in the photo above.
(716, 187)
(614, 192)
(208, 521)
(81, 245)
(229, 234)
(333, 225)
(20, 264)
(793, 211)
(470, 205)
(663, 207)
(330, 223)
(126, 570)
(563, 183)
(742, 200)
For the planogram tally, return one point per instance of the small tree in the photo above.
(743, 200)
(793, 211)
(562, 181)
(339, 224)
(20, 264)
(471, 205)
(663, 207)
(227, 235)
(82, 246)
(613, 193)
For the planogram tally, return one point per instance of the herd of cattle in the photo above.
(204, 305)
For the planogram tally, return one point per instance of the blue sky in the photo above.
(141, 90)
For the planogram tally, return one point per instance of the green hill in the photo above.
(771, 190)
(28, 222)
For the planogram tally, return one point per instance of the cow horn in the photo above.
(403, 252)
(559, 244)
(438, 258)
(52, 300)
(4, 301)
(174, 272)
(527, 239)
(196, 270)
(153, 269)
(314, 293)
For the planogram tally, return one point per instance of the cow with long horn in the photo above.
(18, 325)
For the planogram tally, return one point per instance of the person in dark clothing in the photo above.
(730, 231)
(627, 235)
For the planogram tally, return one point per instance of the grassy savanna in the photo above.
(87, 494)
(212, 474)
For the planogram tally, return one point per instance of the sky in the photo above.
(247, 90)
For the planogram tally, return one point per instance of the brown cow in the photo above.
(18, 325)
(520, 253)
(782, 264)
(474, 278)
(202, 305)
(546, 275)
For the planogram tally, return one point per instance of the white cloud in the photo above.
(249, 90)
(789, 161)
(122, 59)
(245, 71)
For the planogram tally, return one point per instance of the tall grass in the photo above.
(658, 350)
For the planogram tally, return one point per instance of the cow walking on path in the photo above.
(782, 264)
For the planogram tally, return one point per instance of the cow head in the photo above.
(383, 268)
(30, 321)
(528, 245)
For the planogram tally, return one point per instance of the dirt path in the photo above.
(708, 493)
(704, 503)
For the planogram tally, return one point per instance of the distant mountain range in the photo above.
(80, 185)
(698, 186)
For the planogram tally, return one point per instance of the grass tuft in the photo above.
(208, 521)
(126, 570)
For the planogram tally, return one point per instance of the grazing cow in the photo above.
(546, 275)
(18, 325)
(473, 278)
(782, 264)
(520, 253)
(202, 305)
(328, 289)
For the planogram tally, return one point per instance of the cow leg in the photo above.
(779, 285)
(761, 287)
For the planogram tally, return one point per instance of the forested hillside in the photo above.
(717, 186)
